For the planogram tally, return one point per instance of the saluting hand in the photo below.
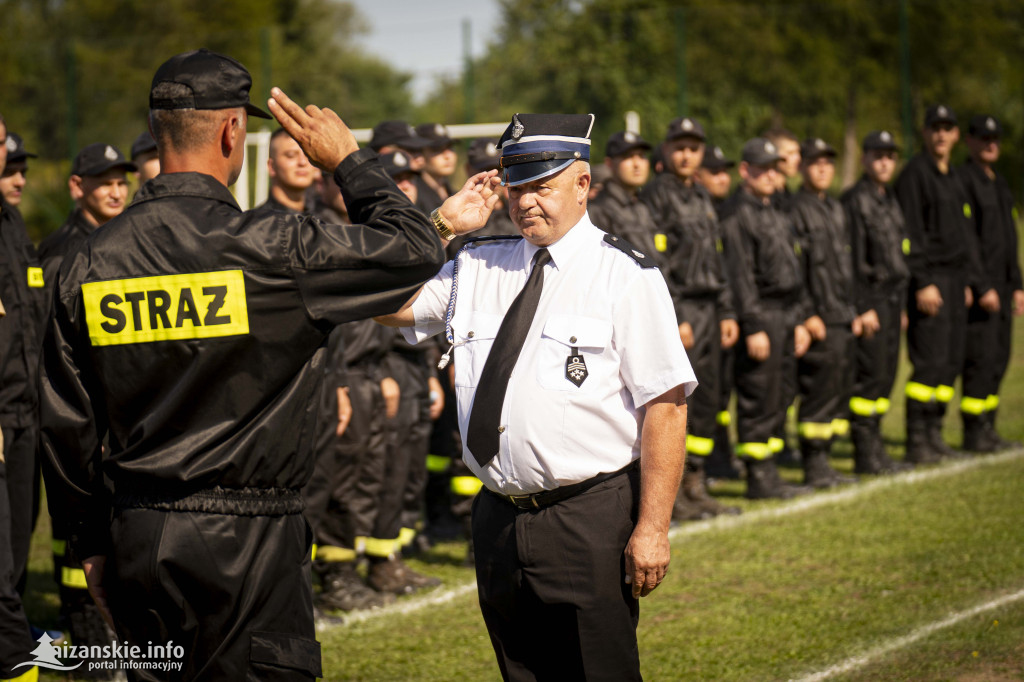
(470, 207)
(321, 133)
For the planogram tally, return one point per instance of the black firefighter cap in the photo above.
(396, 163)
(97, 158)
(143, 144)
(216, 82)
(880, 140)
(535, 146)
(983, 126)
(760, 152)
(939, 113)
(436, 134)
(715, 160)
(483, 154)
(624, 141)
(16, 149)
(814, 148)
(685, 127)
(398, 134)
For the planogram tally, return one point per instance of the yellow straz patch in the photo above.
(167, 307)
(35, 278)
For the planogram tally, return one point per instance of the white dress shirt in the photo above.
(597, 300)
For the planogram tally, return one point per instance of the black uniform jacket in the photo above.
(689, 221)
(762, 258)
(21, 331)
(995, 227)
(827, 255)
(937, 215)
(194, 334)
(65, 240)
(877, 236)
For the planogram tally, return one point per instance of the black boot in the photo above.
(934, 431)
(919, 448)
(695, 488)
(685, 510)
(888, 464)
(976, 437)
(764, 482)
(990, 428)
(344, 589)
(818, 473)
(723, 463)
(863, 432)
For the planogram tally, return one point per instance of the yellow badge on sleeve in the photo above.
(35, 278)
(661, 242)
(167, 307)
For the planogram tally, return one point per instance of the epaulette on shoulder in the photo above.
(642, 259)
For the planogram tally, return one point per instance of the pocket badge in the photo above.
(576, 368)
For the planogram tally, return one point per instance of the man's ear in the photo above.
(582, 187)
(75, 187)
(232, 134)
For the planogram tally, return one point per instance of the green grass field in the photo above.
(876, 581)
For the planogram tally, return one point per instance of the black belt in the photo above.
(218, 500)
(548, 497)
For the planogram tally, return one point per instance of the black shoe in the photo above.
(818, 473)
(344, 590)
(764, 482)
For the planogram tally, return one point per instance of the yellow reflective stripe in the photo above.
(970, 405)
(35, 278)
(724, 418)
(882, 405)
(702, 447)
(967, 210)
(992, 403)
(58, 547)
(906, 247)
(840, 427)
(753, 450)
(32, 675)
(466, 486)
(944, 393)
(167, 307)
(660, 242)
(380, 548)
(791, 411)
(776, 445)
(920, 392)
(719, 247)
(405, 536)
(73, 577)
(438, 464)
(312, 556)
(332, 554)
(815, 430)
(863, 407)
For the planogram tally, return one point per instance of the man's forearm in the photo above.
(662, 455)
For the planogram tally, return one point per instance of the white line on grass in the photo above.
(822, 499)
(856, 662)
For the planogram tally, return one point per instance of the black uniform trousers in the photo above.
(20, 450)
(550, 584)
(234, 591)
(987, 352)
(936, 344)
(342, 495)
(823, 377)
(877, 358)
(706, 359)
(15, 641)
(763, 392)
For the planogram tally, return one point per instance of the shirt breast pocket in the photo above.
(473, 339)
(574, 353)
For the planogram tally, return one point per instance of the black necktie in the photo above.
(483, 434)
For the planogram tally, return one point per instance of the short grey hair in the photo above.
(183, 129)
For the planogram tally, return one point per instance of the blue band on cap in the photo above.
(528, 172)
(538, 146)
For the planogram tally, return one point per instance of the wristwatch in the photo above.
(443, 227)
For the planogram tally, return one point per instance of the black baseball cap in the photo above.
(436, 134)
(483, 154)
(624, 141)
(396, 163)
(98, 158)
(685, 127)
(399, 134)
(880, 140)
(814, 148)
(143, 144)
(760, 151)
(982, 126)
(16, 149)
(216, 82)
(715, 160)
(939, 113)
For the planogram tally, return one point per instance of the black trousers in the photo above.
(823, 376)
(343, 493)
(551, 585)
(877, 358)
(763, 391)
(20, 452)
(706, 359)
(15, 641)
(234, 591)
(987, 352)
(936, 343)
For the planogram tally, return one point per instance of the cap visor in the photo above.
(254, 110)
